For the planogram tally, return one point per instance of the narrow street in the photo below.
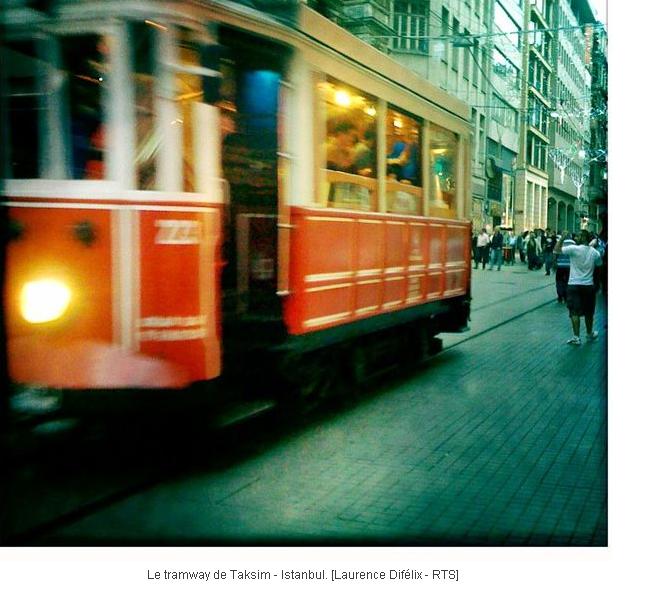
(500, 440)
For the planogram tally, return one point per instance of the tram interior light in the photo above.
(342, 98)
(44, 300)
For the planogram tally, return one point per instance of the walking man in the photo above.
(482, 248)
(512, 244)
(583, 259)
(520, 243)
(497, 245)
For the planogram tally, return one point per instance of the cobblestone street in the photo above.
(500, 440)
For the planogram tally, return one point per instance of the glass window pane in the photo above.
(349, 147)
(24, 103)
(443, 148)
(189, 89)
(148, 139)
(84, 62)
(403, 148)
(404, 193)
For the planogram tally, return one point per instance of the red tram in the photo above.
(198, 191)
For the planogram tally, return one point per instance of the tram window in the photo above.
(350, 147)
(24, 102)
(443, 149)
(148, 139)
(84, 63)
(249, 112)
(403, 154)
(404, 193)
(189, 89)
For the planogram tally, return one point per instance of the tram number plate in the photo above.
(172, 232)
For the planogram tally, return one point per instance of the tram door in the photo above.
(251, 79)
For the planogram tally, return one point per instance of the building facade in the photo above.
(569, 151)
(598, 181)
(503, 135)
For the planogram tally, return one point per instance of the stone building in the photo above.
(569, 132)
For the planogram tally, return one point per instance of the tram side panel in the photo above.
(348, 266)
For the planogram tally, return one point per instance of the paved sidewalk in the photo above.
(498, 296)
(499, 441)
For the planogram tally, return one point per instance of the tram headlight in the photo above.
(44, 300)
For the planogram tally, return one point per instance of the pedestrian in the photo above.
(482, 248)
(511, 243)
(496, 245)
(603, 236)
(583, 259)
(547, 251)
(562, 272)
(539, 242)
(521, 238)
(598, 273)
(531, 252)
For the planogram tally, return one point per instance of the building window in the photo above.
(466, 58)
(503, 114)
(538, 76)
(444, 31)
(538, 116)
(539, 38)
(537, 152)
(505, 69)
(504, 23)
(455, 63)
(411, 25)
(475, 52)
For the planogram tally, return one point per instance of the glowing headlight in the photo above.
(44, 300)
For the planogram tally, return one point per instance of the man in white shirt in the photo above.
(482, 248)
(581, 294)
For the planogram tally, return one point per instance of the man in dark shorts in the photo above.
(583, 259)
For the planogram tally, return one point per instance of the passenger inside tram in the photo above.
(340, 148)
(364, 153)
(403, 156)
(349, 147)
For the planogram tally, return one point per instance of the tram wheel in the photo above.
(307, 381)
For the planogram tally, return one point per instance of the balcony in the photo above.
(366, 18)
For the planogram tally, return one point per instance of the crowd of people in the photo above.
(579, 261)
